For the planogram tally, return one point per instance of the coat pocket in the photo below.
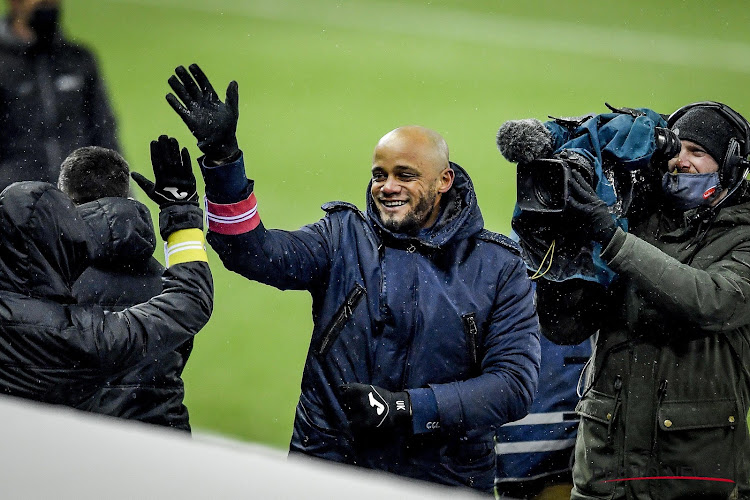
(344, 312)
(597, 459)
(472, 464)
(313, 436)
(697, 439)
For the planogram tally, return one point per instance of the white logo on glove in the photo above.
(176, 193)
(376, 404)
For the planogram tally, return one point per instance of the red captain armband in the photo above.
(235, 218)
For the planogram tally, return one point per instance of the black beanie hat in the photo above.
(706, 127)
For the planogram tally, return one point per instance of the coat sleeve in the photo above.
(712, 299)
(297, 260)
(510, 365)
(145, 331)
(159, 325)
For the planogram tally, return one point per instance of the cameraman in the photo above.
(665, 401)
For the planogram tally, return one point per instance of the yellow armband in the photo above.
(185, 245)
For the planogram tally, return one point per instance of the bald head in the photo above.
(417, 141)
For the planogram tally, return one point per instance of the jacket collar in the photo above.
(678, 225)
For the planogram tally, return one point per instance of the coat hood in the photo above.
(44, 244)
(122, 228)
(459, 219)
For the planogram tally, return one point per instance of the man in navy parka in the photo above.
(425, 333)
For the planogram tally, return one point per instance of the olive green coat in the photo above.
(668, 387)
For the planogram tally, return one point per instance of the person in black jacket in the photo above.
(97, 180)
(56, 351)
(52, 98)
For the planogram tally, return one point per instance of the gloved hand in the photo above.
(175, 182)
(588, 213)
(371, 408)
(212, 122)
(523, 141)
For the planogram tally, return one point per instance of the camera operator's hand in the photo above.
(590, 215)
(212, 122)
(372, 409)
(175, 182)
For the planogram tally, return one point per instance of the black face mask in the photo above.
(44, 22)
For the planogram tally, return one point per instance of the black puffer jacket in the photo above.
(55, 351)
(152, 391)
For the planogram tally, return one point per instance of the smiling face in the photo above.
(693, 159)
(410, 173)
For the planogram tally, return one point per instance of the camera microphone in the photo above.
(523, 141)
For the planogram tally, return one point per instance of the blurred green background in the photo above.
(321, 81)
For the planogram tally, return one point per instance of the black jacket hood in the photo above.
(122, 229)
(44, 244)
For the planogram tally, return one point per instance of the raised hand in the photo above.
(212, 122)
(175, 182)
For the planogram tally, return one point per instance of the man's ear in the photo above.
(446, 180)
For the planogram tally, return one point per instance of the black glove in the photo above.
(212, 122)
(175, 182)
(588, 213)
(371, 408)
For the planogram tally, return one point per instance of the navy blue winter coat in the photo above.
(448, 315)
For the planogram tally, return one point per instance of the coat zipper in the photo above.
(405, 377)
(472, 340)
(345, 311)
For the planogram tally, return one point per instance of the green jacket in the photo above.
(668, 389)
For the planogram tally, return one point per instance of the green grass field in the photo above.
(321, 81)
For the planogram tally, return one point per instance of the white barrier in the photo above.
(54, 452)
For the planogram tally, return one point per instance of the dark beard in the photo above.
(413, 221)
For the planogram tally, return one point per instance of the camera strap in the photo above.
(550, 253)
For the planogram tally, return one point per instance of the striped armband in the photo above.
(235, 218)
(185, 245)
